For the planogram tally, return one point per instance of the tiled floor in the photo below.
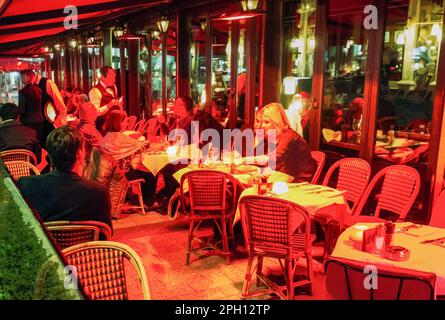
(161, 245)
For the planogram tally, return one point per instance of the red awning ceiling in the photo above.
(24, 25)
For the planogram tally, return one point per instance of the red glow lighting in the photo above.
(237, 17)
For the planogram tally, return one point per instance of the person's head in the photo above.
(272, 116)
(27, 76)
(108, 75)
(183, 106)
(9, 111)
(65, 146)
(80, 100)
(88, 113)
(115, 120)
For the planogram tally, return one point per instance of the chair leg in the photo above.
(259, 270)
(290, 280)
(247, 278)
(141, 200)
(189, 243)
(225, 240)
(310, 273)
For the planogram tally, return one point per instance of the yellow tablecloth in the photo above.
(245, 178)
(315, 199)
(426, 257)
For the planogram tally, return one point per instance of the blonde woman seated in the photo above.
(291, 152)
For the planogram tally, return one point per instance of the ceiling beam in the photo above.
(58, 13)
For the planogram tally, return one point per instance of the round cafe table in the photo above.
(425, 257)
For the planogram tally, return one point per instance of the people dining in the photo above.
(290, 151)
(14, 135)
(121, 147)
(63, 194)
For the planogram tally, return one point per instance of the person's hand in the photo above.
(121, 103)
(112, 103)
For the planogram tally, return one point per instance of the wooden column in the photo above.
(123, 74)
(134, 107)
(85, 74)
(164, 74)
(251, 71)
(182, 54)
(234, 42)
(372, 80)
(321, 37)
(208, 46)
(271, 58)
(67, 67)
(107, 48)
(148, 83)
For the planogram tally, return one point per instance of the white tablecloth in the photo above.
(156, 160)
(426, 257)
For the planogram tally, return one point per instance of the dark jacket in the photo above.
(30, 104)
(293, 157)
(66, 196)
(14, 135)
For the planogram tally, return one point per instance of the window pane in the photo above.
(345, 74)
(298, 62)
(408, 79)
(198, 61)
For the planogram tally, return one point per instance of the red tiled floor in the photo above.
(161, 245)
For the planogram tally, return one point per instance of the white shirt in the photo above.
(95, 98)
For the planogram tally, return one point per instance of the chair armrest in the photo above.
(130, 182)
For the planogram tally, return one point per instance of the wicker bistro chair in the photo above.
(70, 233)
(100, 269)
(140, 126)
(319, 158)
(18, 155)
(131, 122)
(103, 169)
(353, 177)
(400, 187)
(19, 169)
(345, 280)
(278, 229)
(212, 196)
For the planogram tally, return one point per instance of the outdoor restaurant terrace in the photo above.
(222, 150)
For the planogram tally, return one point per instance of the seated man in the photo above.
(62, 194)
(14, 135)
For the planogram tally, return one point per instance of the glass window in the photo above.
(221, 34)
(345, 58)
(413, 34)
(198, 61)
(298, 62)
(171, 62)
(156, 71)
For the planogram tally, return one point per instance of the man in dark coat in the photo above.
(14, 135)
(63, 194)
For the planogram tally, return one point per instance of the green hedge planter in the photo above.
(30, 267)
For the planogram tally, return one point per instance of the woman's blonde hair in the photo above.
(275, 112)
